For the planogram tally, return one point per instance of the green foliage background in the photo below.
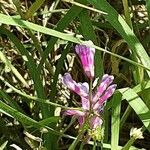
(37, 47)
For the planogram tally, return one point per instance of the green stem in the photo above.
(70, 124)
(125, 115)
(40, 50)
(90, 96)
(128, 144)
(82, 145)
(84, 6)
(33, 8)
(94, 146)
(127, 13)
(6, 61)
(148, 10)
(75, 142)
(18, 4)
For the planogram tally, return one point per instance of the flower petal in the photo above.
(98, 106)
(85, 87)
(95, 121)
(74, 112)
(109, 92)
(85, 103)
(105, 82)
(81, 120)
(86, 54)
(79, 88)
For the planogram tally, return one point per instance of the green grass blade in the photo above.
(47, 121)
(125, 116)
(3, 145)
(106, 124)
(84, 6)
(62, 24)
(58, 71)
(33, 8)
(35, 75)
(143, 86)
(25, 120)
(4, 108)
(148, 10)
(45, 101)
(10, 101)
(31, 66)
(4, 59)
(127, 12)
(18, 22)
(86, 26)
(18, 6)
(115, 122)
(137, 105)
(30, 62)
(54, 83)
(121, 26)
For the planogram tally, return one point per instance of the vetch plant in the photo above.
(86, 55)
(30, 93)
(89, 117)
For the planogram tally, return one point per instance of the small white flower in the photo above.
(136, 133)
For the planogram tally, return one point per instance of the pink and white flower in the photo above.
(103, 92)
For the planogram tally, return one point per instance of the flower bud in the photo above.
(86, 55)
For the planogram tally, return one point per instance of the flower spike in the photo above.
(92, 102)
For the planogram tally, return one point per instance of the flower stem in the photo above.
(82, 145)
(128, 144)
(90, 95)
(94, 146)
(75, 142)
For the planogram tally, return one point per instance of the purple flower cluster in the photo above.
(104, 90)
